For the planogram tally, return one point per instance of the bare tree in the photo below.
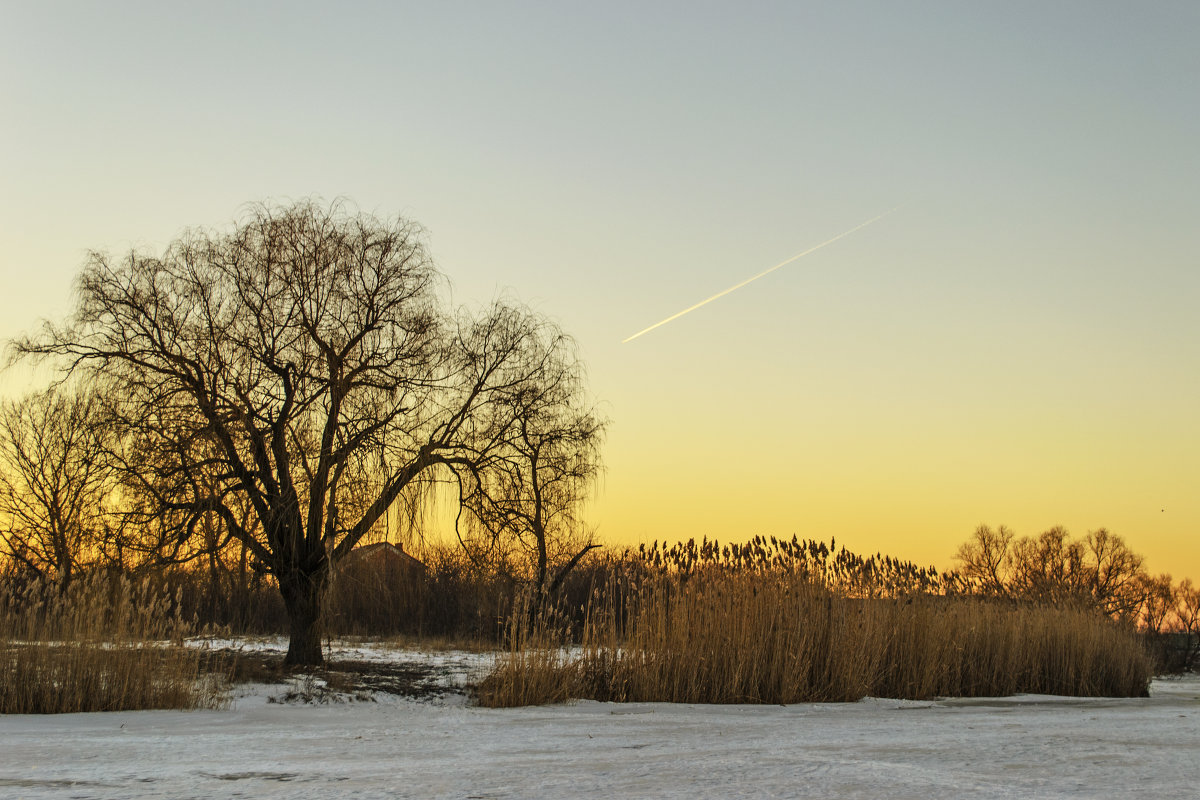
(529, 496)
(299, 367)
(986, 560)
(1114, 574)
(1160, 599)
(1187, 619)
(1098, 570)
(54, 478)
(1049, 567)
(1187, 609)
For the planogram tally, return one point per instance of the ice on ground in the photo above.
(1023, 747)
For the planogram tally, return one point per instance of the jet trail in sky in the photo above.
(765, 272)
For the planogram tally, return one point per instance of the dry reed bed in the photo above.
(757, 636)
(100, 644)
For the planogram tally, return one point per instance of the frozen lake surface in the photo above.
(1019, 747)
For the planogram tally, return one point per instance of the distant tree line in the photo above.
(1097, 570)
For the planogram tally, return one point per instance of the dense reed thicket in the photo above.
(791, 622)
(101, 643)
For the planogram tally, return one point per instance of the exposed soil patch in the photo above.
(339, 680)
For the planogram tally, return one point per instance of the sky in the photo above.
(1016, 344)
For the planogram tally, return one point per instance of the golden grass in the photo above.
(721, 636)
(536, 668)
(102, 644)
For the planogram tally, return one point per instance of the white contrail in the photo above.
(765, 272)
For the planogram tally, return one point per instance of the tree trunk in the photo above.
(303, 593)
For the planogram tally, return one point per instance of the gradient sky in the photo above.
(1018, 344)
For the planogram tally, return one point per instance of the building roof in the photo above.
(383, 550)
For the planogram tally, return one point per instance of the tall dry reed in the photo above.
(720, 635)
(100, 644)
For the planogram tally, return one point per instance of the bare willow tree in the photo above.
(298, 373)
(54, 482)
(529, 494)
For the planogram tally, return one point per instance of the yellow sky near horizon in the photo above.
(911, 487)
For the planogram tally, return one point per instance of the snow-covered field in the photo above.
(1023, 747)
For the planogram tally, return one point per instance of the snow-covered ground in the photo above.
(1022, 747)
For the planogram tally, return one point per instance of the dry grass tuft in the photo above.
(535, 668)
(100, 644)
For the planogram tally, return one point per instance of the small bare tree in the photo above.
(294, 376)
(1187, 619)
(1160, 598)
(986, 560)
(528, 496)
(54, 478)
(1114, 574)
